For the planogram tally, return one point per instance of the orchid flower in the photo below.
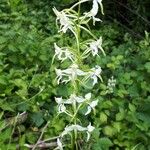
(95, 45)
(59, 75)
(72, 99)
(91, 106)
(89, 130)
(71, 74)
(93, 12)
(63, 54)
(65, 23)
(61, 106)
(79, 128)
(94, 74)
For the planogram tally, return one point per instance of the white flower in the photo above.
(91, 106)
(72, 99)
(70, 74)
(95, 74)
(59, 144)
(79, 128)
(59, 74)
(89, 130)
(59, 100)
(65, 23)
(95, 45)
(63, 54)
(70, 128)
(61, 108)
(111, 84)
(93, 12)
(83, 99)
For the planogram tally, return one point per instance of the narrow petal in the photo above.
(88, 111)
(88, 96)
(59, 144)
(93, 104)
(59, 100)
(90, 128)
(61, 108)
(88, 136)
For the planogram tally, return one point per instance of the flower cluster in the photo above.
(73, 99)
(70, 20)
(111, 84)
(72, 73)
(71, 128)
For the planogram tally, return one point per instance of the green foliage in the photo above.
(124, 116)
(27, 34)
(102, 144)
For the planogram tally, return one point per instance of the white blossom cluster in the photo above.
(110, 85)
(76, 127)
(73, 99)
(72, 73)
(68, 20)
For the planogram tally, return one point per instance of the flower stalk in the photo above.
(71, 21)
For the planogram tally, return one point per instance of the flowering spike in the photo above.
(71, 20)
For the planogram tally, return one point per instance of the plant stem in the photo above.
(75, 134)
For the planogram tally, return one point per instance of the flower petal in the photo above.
(88, 111)
(88, 96)
(93, 104)
(59, 144)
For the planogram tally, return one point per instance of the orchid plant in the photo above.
(71, 21)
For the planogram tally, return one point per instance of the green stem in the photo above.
(74, 83)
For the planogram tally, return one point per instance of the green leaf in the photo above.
(132, 107)
(5, 135)
(6, 106)
(103, 117)
(2, 39)
(109, 131)
(3, 80)
(102, 144)
(147, 66)
(120, 116)
(37, 118)
(22, 140)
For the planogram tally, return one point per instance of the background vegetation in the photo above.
(27, 34)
